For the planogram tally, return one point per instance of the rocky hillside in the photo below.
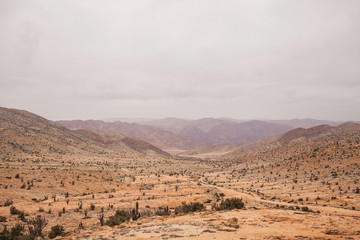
(24, 134)
(320, 142)
(117, 141)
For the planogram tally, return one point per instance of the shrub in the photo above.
(119, 217)
(14, 211)
(8, 203)
(163, 211)
(2, 219)
(92, 207)
(15, 232)
(306, 209)
(191, 207)
(230, 203)
(37, 225)
(21, 215)
(56, 230)
(101, 218)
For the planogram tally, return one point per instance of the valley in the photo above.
(302, 184)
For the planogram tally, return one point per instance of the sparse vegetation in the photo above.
(56, 230)
(14, 234)
(230, 204)
(163, 211)
(186, 208)
(8, 203)
(119, 217)
(277, 181)
(37, 225)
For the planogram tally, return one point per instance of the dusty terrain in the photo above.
(272, 211)
(300, 185)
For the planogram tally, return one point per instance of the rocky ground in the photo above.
(74, 193)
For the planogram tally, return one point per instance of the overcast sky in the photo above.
(96, 59)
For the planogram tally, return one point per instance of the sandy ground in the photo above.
(272, 211)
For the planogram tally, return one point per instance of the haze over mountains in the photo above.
(156, 136)
(22, 131)
(175, 134)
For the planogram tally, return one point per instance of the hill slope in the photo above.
(117, 141)
(306, 123)
(24, 134)
(317, 142)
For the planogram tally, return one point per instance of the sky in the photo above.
(254, 59)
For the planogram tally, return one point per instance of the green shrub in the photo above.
(119, 217)
(191, 207)
(230, 203)
(56, 230)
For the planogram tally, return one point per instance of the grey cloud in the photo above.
(271, 59)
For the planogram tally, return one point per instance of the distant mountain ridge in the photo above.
(306, 122)
(224, 132)
(153, 135)
(171, 134)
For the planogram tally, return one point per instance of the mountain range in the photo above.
(173, 134)
(26, 134)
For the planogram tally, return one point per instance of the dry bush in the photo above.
(56, 230)
(229, 204)
(191, 207)
(119, 217)
(37, 225)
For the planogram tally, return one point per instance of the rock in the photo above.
(234, 225)
(232, 222)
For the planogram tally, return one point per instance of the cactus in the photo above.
(135, 212)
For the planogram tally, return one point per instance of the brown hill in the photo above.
(306, 123)
(24, 134)
(114, 140)
(306, 133)
(153, 135)
(322, 141)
